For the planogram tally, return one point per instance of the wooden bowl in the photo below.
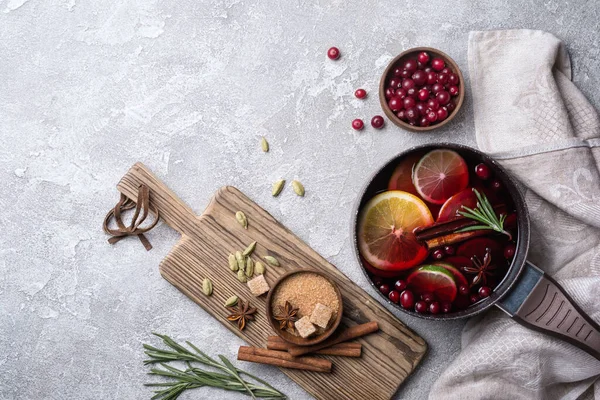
(412, 54)
(297, 340)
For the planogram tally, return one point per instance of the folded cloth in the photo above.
(531, 117)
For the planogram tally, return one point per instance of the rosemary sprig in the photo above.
(484, 213)
(228, 377)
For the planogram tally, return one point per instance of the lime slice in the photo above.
(433, 279)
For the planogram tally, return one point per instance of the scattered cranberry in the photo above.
(419, 77)
(443, 97)
(509, 251)
(496, 185)
(395, 104)
(453, 90)
(442, 113)
(409, 102)
(400, 93)
(360, 93)
(402, 115)
(407, 299)
(428, 297)
(395, 83)
(358, 124)
(452, 78)
(408, 84)
(432, 117)
(446, 307)
(412, 114)
(333, 53)
(449, 250)
(423, 57)
(423, 94)
(390, 92)
(463, 289)
(438, 64)
(433, 104)
(410, 66)
(394, 296)
(384, 289)
(483, 171)
(377, 122)
(435, 308)
(474, 298)
(400, 285)
(421, 307)
(436, 88)
(485, 291)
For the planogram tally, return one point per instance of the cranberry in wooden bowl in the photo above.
(432, 83)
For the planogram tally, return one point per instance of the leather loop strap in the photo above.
(142, 208)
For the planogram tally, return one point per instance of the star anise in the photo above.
(481, 270)
(286, 316)
(242, 314)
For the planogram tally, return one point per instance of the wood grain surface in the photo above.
(388, 356)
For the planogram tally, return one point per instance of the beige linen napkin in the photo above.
(531, 117)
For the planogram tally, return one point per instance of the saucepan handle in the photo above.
(549, 309)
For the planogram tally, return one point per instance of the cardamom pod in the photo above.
(298, 188)
(242, 276)
(249, 250)
(272, 261)
(259, 268)
(241, 218)
(249, 267)
(207, 286)
(264, 144)
(277, 187)
(232, 301)
(233, 265)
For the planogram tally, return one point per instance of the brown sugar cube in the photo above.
(258, 285)
(304, 327)
(321, 315)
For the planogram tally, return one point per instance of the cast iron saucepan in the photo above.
(526, 293)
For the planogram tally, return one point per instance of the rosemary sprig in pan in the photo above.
(484, 213)
(227, 376)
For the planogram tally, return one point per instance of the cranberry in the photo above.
(431, 78)
(400, 93)
(449, 250)
(395, 104)
(442, 113)
(432, 117)
(435, 308)
(407, 299)
(377, 281)
(409, 102)
(450, 107)
(423, 57)
(402, 115)
(424, 122)
(400, 285)
(446, 70)
(474, 298)
(509, 251)
(433, 104)
(485, 291)
(420, 65)
(483, 171)
(389, 92)
(422, 107)
(463, 289)
(443, 97)
(423, 94)
(412, 114)
(398, 72)
(453, 90)
(394, 296)
(395, 83)
(410, 66)
(428, 297)
(436, 88)
(453, 78)
(384, 289)
(405, 74)
(412, 92)
(420, 78)
(428, 69)
(360, 93)
(358, 124)
(496, 185)
(333, 53)
(421, 307)
(377, 122)
(438, 64)
(442, 78)
(408, 84)
(446, 307)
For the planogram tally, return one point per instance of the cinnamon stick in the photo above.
(343, 336)
(283, 359)
(348, 349)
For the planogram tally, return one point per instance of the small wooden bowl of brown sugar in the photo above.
(304, 307)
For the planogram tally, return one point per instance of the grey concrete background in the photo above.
(87, 88)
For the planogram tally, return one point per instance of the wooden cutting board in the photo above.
(389, 355)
